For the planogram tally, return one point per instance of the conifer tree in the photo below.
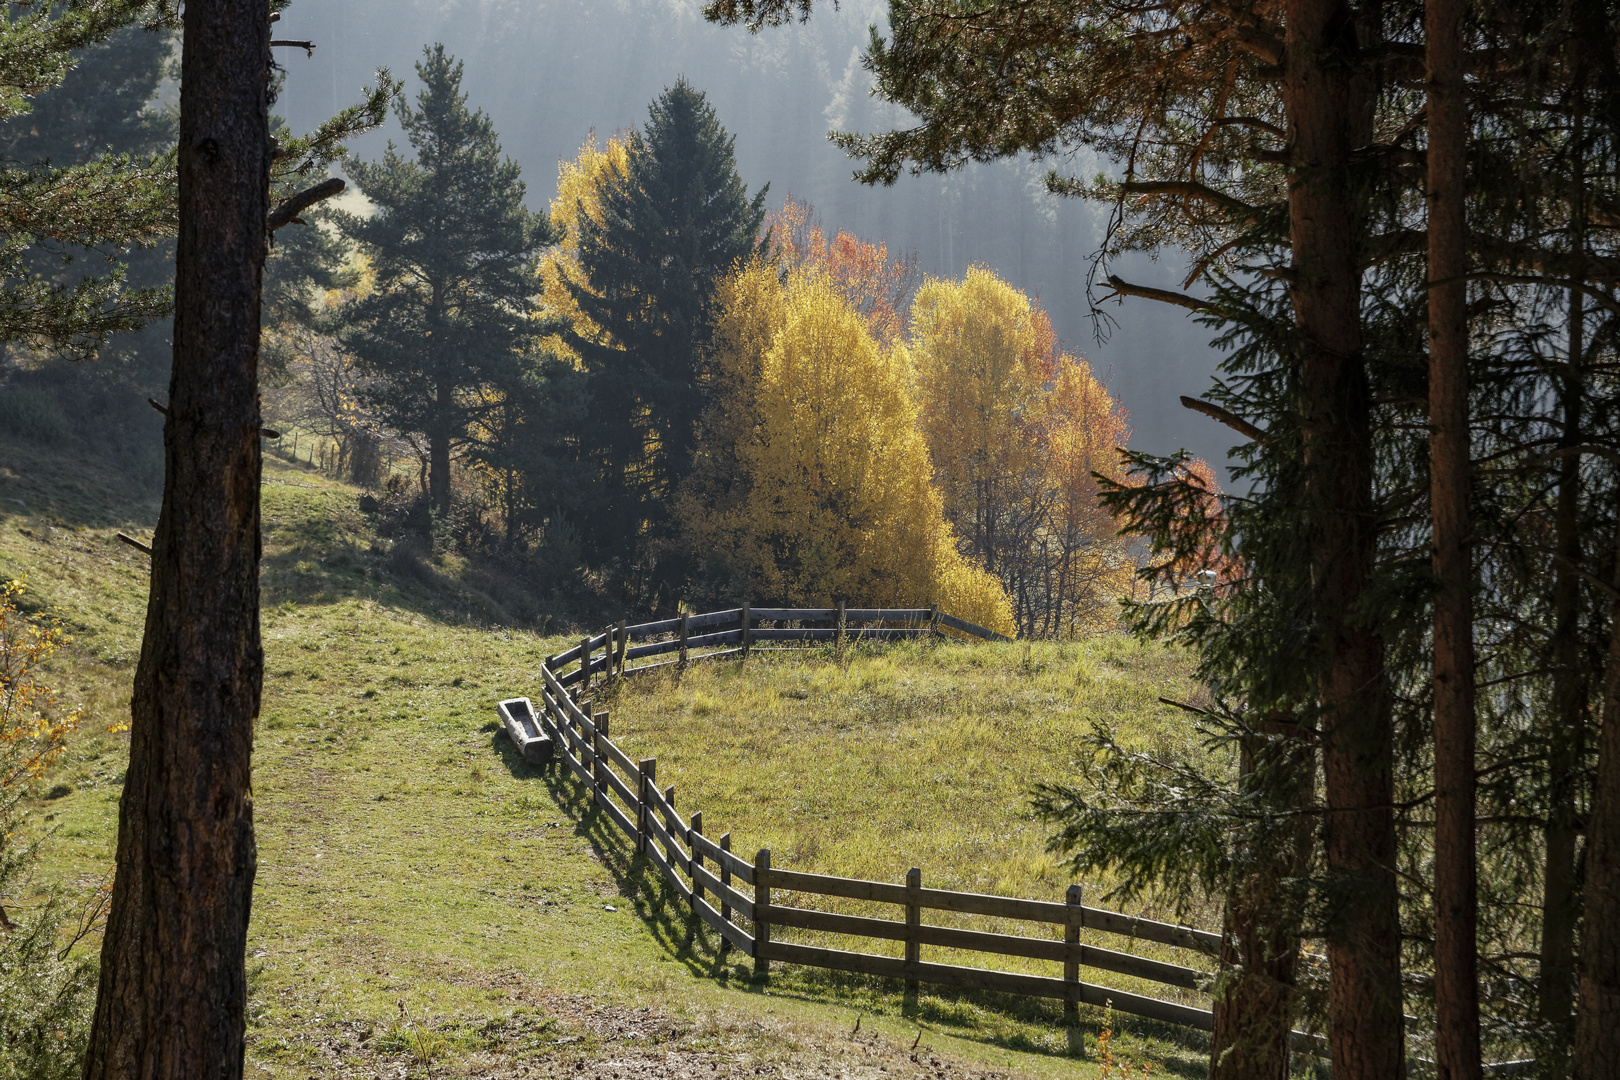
(453, 250)
(671, 226)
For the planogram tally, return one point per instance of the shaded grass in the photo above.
(418, 881)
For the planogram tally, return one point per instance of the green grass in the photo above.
(426, 901)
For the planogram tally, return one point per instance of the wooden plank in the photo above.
(679, 857)
(619, 817)
(712, 850)
(1167, 1012)
(721, 655)
(771, 614)
(607, 746)
(643, 631)
(656, 648)
(562, 659)
(682, 890)
(639, 668)
(724, 637)
(886, 614)
(729, 930)
(739, 902)
(965, 627)
(803, 633)
(620, 788)
(1005, 982)
(1185, 937)
(714, 618)
(826, 921)
(882, 892)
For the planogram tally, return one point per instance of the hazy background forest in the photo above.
(548, 74)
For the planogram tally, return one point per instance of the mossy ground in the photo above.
(426, 904)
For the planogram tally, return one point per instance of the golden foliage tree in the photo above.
(814, 482)
(1016, 428)
(876, 284)
(579, 187)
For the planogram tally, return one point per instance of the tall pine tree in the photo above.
(672, 226)
(453, 250)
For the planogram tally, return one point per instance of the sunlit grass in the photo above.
(417, 879)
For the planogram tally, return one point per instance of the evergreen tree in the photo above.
(672, 225)
(453, 251)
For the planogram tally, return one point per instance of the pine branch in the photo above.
(290, 208)
(1231, 420)
(1164, 296)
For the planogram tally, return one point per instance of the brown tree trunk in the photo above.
(1260, 944)
(1328, 93)
(1596, 1053)
(1560, 899)
(1456, 993)
(439, 456)
(173, 989)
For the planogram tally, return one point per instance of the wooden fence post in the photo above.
(599, 721)
(725, 907)
(624, 642)
(747, 638)
(913, 931)
(669, 845)
(1071, 966)
(684, 618)
(933, 623)
(697, 860)
(585, 664)
(647, 776)
(762, 913)
(838, 638)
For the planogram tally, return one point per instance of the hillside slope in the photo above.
(426, 904)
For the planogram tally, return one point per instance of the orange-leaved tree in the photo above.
(1016, 430)
(827, 494)
(878, 285)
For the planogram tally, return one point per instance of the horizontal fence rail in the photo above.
(706, 874)
(747, 902)
(741, 627)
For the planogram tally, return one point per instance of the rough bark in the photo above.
(173, 988)
(1560, 898)
(1596, 1052)
(1456, 915)
(439, 454)
(1328, 92)
(1260, 940)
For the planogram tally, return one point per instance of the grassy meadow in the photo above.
(428, 905)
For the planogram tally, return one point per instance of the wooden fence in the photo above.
(742, 898)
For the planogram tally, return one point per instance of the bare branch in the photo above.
(1231, 420)
(288, 211)
(1165, 296)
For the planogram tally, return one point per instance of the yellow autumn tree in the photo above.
(1015, 429)
(579, 183)
(825, 490)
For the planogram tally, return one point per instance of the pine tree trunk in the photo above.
(1560, 898)
(439, 454)
(1328, 96)
(1596, 1053)
(1254, 1016)
(173, 989)
(1456, 993)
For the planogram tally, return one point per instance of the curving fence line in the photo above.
(705, 873)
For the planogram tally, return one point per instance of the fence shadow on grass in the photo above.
(693, 945)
